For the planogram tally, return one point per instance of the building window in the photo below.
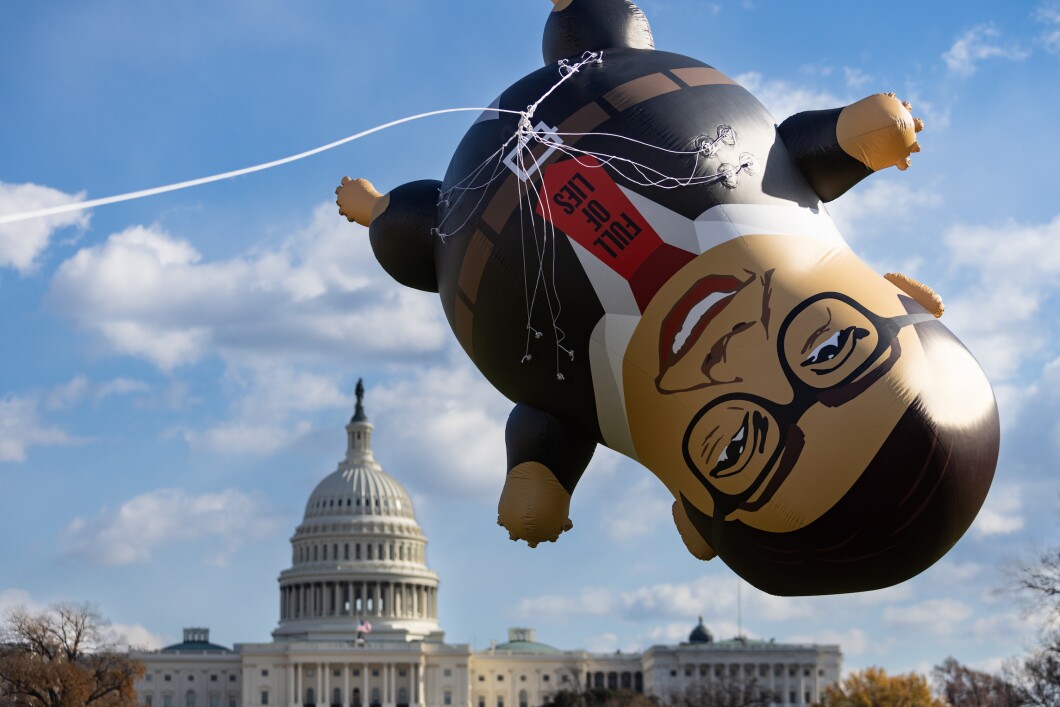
(807, 697)
(336, 696)
(215, 700)
(232, 701)
(147, 700)
(673, 673)
(231, 678)
(213, 678)
(500, 702)
(793, 696)
(310, 696)
(264, 697)
(167, 678)
(375, 672)
(264, 672)
(448, 672)
(403, 696)
(315, 553)
(402, 673)
(481, 701)
(346, 551)
(357, 549)
(324, 552)
(522, 678)
(336, 672)
(482, 678)
(375, 695)
(167, 700)
(189, 698)
(191, 678)
(524, 699)
(447, 698)
(544, 678)
(500, 678)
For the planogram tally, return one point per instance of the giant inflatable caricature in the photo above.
(631, 250)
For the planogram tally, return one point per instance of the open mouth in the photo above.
(687, 320)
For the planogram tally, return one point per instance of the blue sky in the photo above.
(176, 370)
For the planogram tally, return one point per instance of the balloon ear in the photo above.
(921, 293)
(578, 26)
(695, 543)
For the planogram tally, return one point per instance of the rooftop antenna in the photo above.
(739, 608)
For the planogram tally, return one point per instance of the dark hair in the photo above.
(915, 499)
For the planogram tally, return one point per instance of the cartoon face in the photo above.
(763, 377)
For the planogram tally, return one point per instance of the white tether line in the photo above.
(81, 205)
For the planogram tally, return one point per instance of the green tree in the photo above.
(63, 657)
(873, 687)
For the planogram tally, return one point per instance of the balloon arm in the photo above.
(811, 140)
(837, 148)
(546, 458)
(402, 230)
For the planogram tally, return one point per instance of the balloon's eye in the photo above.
(733, 451)
(837, 348)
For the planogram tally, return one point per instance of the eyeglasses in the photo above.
(831, 348)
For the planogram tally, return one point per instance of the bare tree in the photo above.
(960, 685)
(63, 657)
(1037, 583)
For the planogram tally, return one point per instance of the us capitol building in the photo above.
(359, 556)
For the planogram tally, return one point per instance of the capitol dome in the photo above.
(358, 562)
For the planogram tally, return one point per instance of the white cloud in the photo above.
(123, 635)
(319, 295)
(854, 642)
(880, 201)
(979, 43)
(643, 509)
(855, 78)
(136, 637)
(1001, 514)
(21, 428)
(449, 416)
(14, 598)
(1002, 317)
(935, 616)
(22, 243)
(712, 594)
(132, 533)
(1048, 14)
(783, 99)
(590, 601)
(80, 388)
(268, 415)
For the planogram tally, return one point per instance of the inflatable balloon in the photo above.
(631, 249)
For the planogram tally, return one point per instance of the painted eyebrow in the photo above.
(817, 332)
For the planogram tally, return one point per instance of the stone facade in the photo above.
(358, 627)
